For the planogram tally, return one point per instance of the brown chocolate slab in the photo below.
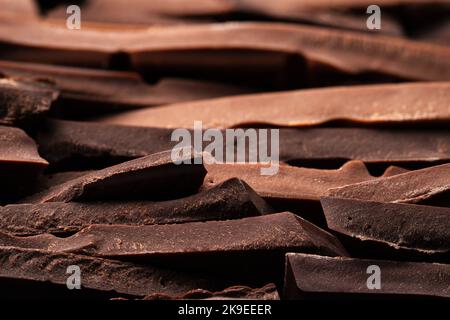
(312, 276)
(34, 272)
(23, 100)
(281, 232)
(233, 199)
(378, 104)
(422, 230)
(102, 90)
(154, 177)
(419, 186)
(214, 46)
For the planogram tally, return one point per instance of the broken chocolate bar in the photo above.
(233, 199)
(154, 177)
(34, 272)
(415, 229)
(21, 101)
(425, 186)
(20, 163)
(402, 104)
(312, 276)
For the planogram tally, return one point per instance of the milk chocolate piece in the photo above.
(233, 199)
(20, 163)
(420, 230)
(420, 186)
(21, 101)
(86, 91)
(312, 276)
(268, 292)
(280, 232)
(378, 104)
(199, 49)
(154, 177)
(38, 274)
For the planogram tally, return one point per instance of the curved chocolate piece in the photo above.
(154, 177)
(422, 230)
(280, 232)
(199, 48)
(377, 104)
(24, 100)
(232, 199)
(312, 276)
(37, 271)
(419, 186)
(20, 162)
(86, 91)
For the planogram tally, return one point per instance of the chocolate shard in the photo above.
(394, 170)
(268, 292)
(202, 48)
(20, 163)
(35, 271)
(90, 91)
(280, 232)
(154, 177)
(425, 186)
(421, 231)
(312, 276)
(376, 104)
(233, 199)
(21, 101)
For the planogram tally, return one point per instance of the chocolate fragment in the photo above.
(154, 177)
(21, 101)
(421, 186)
(312, 276)
(20, 163)
(35, 271)
(401, 104)
(420, 230)
(232, 199)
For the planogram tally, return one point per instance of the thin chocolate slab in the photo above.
(29, 274)
(312, 276)
(280, 232)
(377, 104)
(20, 163)
(420, 230)
(154, 177)
(202, 48)
(233, 199)
(21, 101)
(86, 91)
(419, 186)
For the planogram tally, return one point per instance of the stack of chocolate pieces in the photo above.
(95, 189)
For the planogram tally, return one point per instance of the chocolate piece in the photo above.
(233, 199)
(203, 48)
(23, 7)
(34, 272)
(154, 177)
(268, 292)
(281, 232)
(49, 180)
(89, 91)
(420, 186)
(20, 163)
(394, 170)
(420, 230)
(380, 104)
(312, 276)
(439, 34)
(23, 100)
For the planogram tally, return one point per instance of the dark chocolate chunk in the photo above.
(37, 274)
(419, 230)
(312, 276)
(154, 177)
(420, 186)
(233, 199)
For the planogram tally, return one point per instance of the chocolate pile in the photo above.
(358, 208)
